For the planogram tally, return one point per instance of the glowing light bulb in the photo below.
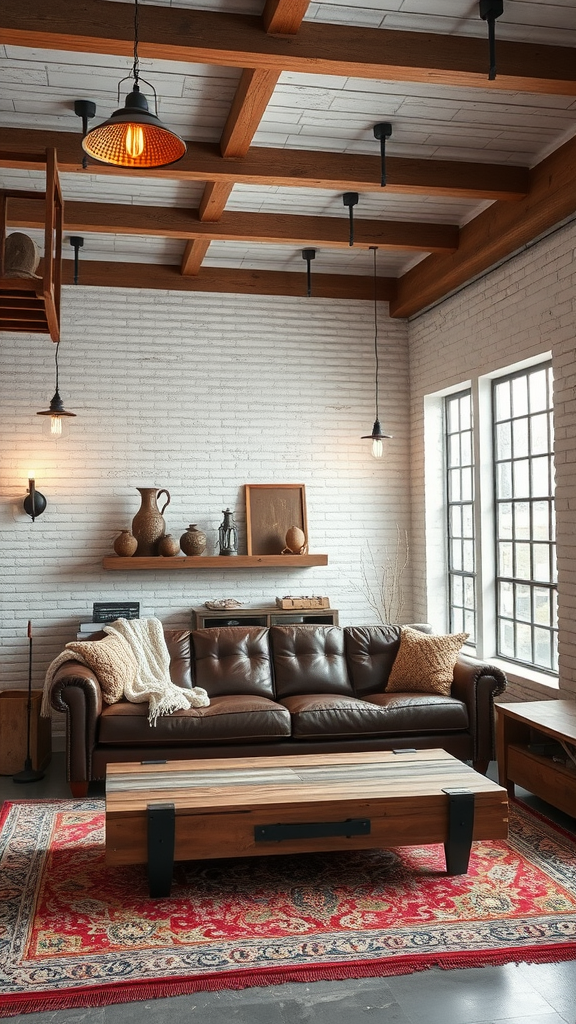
(56, 426)
(377, 448)
(134, 141)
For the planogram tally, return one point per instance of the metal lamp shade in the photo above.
(377, 433)
(134, 137)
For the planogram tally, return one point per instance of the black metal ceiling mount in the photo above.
(308, 255)
(489, 11)
(382, 131)
(84, 109)
(350, 199)
(76, 242)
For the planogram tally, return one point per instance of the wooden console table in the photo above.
(519, 727)
(269, 615)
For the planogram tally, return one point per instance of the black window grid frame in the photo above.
(461, 613)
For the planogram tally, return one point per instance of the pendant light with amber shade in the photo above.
(133, 136)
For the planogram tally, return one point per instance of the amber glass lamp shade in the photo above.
(134, 137)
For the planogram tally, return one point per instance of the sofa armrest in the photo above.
(75, 690)
(476, 684)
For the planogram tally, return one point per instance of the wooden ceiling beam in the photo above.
(284, 17)
(194, 254)
(237, 40)
(213, 279)
(271, 228)
(252, 97)
(495, 234)
(291, 168)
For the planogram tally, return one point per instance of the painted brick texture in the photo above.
(200, 394)
(522, 309)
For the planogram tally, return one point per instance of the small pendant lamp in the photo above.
(377, 435)
(56, 412)
(133, 136)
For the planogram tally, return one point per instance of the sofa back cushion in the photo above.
(232, 660)
(370, 654)
(178, 644)
(309, 659)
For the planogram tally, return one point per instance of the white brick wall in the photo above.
(200, 394)
(519, 310)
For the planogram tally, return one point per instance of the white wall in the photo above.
(200, 394)
(522, 309)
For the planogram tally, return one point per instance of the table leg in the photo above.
(161, 827)
(460, 829)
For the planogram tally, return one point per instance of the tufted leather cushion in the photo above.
(178, 644)
(309, 659)
(232, 660)
(370, 654)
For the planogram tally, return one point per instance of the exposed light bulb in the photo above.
(134, 140)
(56, 426)
(377, 448)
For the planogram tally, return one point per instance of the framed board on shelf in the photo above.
(271, 509)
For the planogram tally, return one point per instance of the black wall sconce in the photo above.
(350, 199)
(382, 131)
(34, 502)
(489, 11)
(308, 255)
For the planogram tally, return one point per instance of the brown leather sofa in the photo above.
(278, 690)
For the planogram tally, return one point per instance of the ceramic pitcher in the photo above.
(148, 525)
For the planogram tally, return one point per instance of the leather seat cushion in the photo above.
(332, 715)
(413, 713)
(245, 719)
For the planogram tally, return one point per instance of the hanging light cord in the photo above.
(375, 250)
(136, 65)
(56, 361)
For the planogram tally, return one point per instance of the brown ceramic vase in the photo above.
(193, 542)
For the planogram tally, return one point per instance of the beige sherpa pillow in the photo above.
(112, 662)
(424, 664)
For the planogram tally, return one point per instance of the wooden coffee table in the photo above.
(252, 806)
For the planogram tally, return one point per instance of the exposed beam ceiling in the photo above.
(279, 110)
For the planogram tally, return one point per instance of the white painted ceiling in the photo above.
(307, 111)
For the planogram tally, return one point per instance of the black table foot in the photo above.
(460, 829)
(161, 825)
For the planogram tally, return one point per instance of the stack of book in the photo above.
(103, 613)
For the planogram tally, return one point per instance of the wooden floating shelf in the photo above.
(222, 562)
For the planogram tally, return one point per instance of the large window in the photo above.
(526, 609)
(460, 507)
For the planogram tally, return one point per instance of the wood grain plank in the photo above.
(213, 279)
(233, 40)
(494, 234)
(289, 168)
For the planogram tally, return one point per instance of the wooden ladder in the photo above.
(27, 304)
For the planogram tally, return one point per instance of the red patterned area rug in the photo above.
(75, 933)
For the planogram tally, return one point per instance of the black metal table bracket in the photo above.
(161, 827)
(460, 829)
(311, 830)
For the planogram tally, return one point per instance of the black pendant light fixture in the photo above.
(133, 136)
(377, 435)
(56, 412)
(350, 199)
(489, 11)
(308, 255)
(382, 131)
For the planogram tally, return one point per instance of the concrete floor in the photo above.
(512, 994)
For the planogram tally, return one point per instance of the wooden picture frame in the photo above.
(271, 509)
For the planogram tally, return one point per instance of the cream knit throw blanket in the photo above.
(146, 646)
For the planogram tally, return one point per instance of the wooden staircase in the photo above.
(32, 305)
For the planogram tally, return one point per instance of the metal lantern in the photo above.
(228, 534)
